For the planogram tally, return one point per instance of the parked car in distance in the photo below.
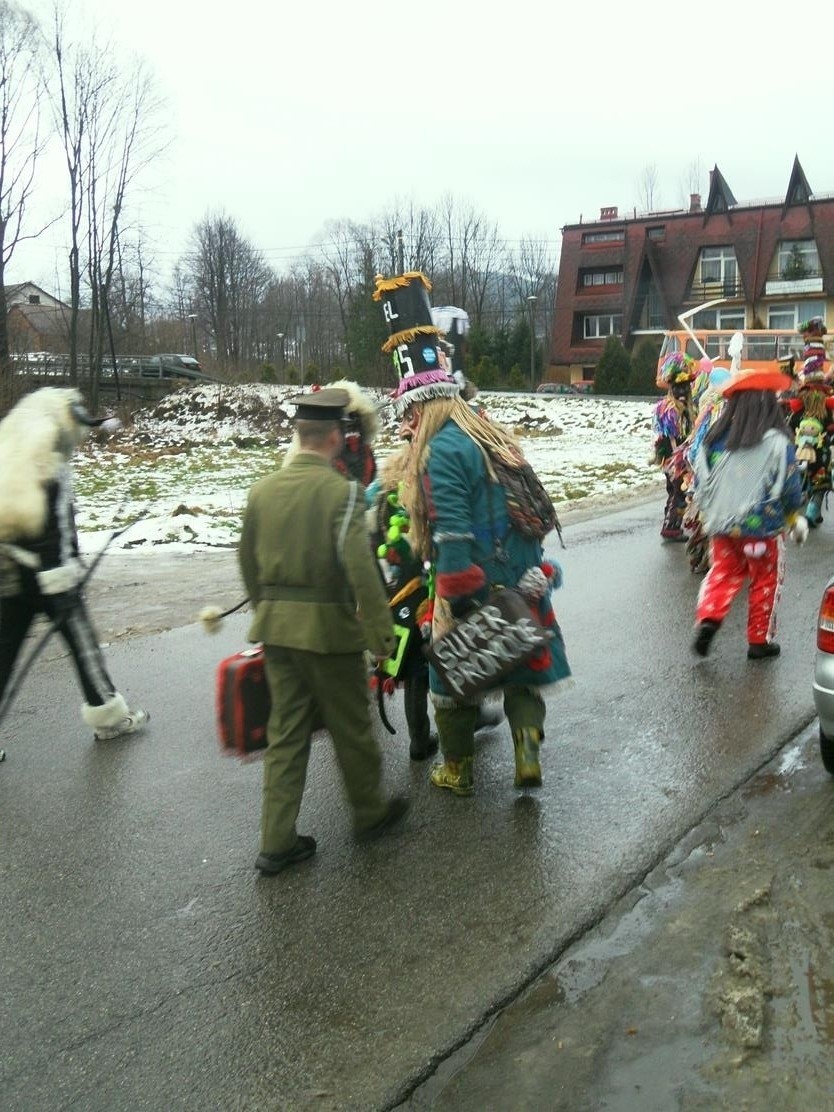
(554, 388)
(171, 366)
(824, 675)
(585, 386)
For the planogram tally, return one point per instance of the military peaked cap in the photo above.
(320, 405)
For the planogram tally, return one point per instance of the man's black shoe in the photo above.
(423, 752)
(763, 652)
(395, 810)
(704, 635)
(268, 864)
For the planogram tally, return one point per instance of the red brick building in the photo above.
(630, 276)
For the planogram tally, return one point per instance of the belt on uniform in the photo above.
(279, 593)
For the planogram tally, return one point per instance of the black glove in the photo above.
(59, 607)
(463, 606)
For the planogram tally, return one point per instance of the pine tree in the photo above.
(613, 369)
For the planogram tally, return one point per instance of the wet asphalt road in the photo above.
(144, 965)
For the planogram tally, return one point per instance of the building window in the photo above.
(603, 237)
(655, 317)
(657, 233)
(718, 266)
(719, 318)
(602, 278)
(34, 299)
(599, 326)
(792, 315)
(798, 258)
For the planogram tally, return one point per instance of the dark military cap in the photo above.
(320, 405)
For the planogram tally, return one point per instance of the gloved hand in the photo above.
(537, 581)
(462, 606)
(56, 581)
(799, 530)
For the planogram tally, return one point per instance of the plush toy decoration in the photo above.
(809, 439)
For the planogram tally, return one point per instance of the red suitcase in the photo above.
(243, 703)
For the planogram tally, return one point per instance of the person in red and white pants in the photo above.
(749, 491)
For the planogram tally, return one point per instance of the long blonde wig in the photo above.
(433, 416)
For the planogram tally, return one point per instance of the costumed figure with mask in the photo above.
(460, 521)
(410, 585)
(672, 422)
(811, 415)
(40, 569)
(707, 400)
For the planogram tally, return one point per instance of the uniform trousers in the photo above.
(308, 689)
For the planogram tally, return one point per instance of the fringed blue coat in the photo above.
(475, 546)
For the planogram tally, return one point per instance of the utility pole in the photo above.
(400, 251)
(531, 301)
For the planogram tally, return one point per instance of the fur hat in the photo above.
(37, 437)
(421, 364)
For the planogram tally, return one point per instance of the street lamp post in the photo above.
(531, 301)
(193, 318)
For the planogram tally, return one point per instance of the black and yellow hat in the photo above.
(414, 341)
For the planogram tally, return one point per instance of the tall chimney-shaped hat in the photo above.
(413, 340)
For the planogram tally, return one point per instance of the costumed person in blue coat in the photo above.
(40, 570)
(460, 520)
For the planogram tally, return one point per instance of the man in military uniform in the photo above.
(319, 604)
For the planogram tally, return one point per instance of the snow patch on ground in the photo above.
(186, 463)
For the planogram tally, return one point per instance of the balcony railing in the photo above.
(708, 291)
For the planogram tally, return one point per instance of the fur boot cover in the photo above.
(111, 713)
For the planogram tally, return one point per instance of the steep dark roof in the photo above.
(799, 191)
(720, 197)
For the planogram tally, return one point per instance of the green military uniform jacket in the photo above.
(306, 561)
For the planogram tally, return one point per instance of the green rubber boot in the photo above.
(528, 771)
(454, 775)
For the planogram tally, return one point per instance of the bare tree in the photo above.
(123, 133)
(21, 142)
(692, 182)
(230, 280)
(419, 232)
(648, 196)
(347, 247)
(472, 257)
(533, 273)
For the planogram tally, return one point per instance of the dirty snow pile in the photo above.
(184, 466)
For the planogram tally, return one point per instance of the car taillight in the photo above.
(825, 622)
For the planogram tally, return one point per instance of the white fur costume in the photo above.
(40, 572)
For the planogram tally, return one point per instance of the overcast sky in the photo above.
(290, 113)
